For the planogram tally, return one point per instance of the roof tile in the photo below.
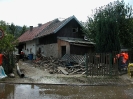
(45, 29)
(30, 35)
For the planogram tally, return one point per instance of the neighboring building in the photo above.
(56, 38)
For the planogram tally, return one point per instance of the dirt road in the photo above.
(35, 74)
(41, 75)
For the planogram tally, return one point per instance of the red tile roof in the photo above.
(45, 29)
(50, 29)
(30, 35)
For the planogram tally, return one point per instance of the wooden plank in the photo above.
(63, 70)
(102, 55)
(96, 65)
(89, 65)
(76, 71)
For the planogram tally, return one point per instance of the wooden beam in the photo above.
(63, 70)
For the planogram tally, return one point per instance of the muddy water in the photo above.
(19, 91)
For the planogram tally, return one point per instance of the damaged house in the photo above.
(55, 38)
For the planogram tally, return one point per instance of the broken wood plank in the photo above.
(63, 70)
(76, 71)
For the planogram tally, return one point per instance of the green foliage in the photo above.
(111, 26)
(24, 29)
(89, 29)
(12, 29)
(16, 30)
(3, 25)
(11, 33)
(7, 43)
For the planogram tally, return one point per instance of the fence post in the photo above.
(12, 62)
(86, 63)
(110, 65)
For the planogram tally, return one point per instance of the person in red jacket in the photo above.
(122, 59)
(122, 54)
(2, 72)
(125, 56)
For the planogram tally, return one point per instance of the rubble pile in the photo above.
(59, 66)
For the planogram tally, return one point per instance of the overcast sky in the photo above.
(32, 12)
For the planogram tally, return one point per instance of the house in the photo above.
(55, 38)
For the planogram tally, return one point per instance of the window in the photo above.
(74, 30)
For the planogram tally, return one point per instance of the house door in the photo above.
(63, 50)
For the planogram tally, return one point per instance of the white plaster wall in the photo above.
(30, 48)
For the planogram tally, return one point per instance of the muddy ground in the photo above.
(37, 74)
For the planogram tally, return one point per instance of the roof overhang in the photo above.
(76, 41)
(68, 20)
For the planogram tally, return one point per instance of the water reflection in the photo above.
(10, 91)
(6, 91)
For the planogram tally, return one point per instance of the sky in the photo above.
(33, 12)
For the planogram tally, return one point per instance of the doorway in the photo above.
(63, 50)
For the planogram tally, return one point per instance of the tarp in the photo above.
(2, 72)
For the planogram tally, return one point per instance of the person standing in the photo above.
(22, 55)
(2, 72)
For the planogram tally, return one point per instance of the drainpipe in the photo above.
(21, 74)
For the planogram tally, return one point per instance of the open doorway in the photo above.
(63, 50)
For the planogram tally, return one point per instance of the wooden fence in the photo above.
(9, 63)
(101, 64)
(130, 53)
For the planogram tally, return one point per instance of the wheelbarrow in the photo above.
(130, 69)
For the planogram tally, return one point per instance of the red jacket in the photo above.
(124, 55)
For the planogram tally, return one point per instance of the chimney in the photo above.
(31, 28)
(39, 25)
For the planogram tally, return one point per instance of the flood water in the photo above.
(25, 91)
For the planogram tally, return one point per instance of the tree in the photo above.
(7, 43)
(89, 29)
(12, 29)
(24, 29)
(110, 27)
(3, 25)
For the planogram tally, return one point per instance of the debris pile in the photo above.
(60, 66)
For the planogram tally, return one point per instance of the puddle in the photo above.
(24, 91)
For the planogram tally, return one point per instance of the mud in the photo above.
(39, 75)
(38, 83)
(36, 75)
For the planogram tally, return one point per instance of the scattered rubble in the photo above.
(59, 66)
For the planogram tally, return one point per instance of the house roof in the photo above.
(75, 40)
(50, 29)
(65, 22)
(31, 34)
(46, 29)
(56, 26)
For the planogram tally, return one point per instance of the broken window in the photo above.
(74, 30)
